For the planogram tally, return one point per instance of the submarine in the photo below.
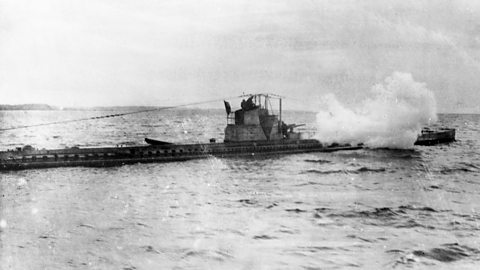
(252, 130)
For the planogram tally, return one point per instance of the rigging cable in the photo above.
(114, 115)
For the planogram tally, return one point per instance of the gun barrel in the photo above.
(295, 125)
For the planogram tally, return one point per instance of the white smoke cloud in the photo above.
(392, 117)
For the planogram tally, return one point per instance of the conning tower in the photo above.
(255, 121)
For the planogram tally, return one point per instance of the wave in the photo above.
(264, 237)
(415, 208)
(376, 213)
(248, 201)
(356, 171)
(217, 255)
(397, 217)
(448, 252)
(460, 167)
(150, 249)
(319, 161)
(296, 210)
(470, 165)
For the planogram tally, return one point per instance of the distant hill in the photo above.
(27, 107)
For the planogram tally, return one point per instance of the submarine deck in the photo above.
(114, 156)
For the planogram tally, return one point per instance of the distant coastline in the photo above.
(27, 107)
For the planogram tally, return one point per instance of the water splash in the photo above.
(392, 117)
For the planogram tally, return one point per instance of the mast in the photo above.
(266, 98)
(280, 110)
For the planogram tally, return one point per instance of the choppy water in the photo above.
(369, 209)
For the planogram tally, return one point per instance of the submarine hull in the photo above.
(116, 156)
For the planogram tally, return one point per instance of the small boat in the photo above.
(436, 136)
(156, 142)
(251, 130)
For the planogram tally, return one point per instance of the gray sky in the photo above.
(118, 52)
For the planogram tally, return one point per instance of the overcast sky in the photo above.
(118, 52)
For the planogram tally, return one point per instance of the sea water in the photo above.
(368, 209)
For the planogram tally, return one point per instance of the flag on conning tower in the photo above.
(227, 107)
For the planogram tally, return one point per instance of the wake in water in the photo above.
(392, 117)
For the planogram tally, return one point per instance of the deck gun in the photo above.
(289, 128)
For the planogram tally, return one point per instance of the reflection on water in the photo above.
(363, 209)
